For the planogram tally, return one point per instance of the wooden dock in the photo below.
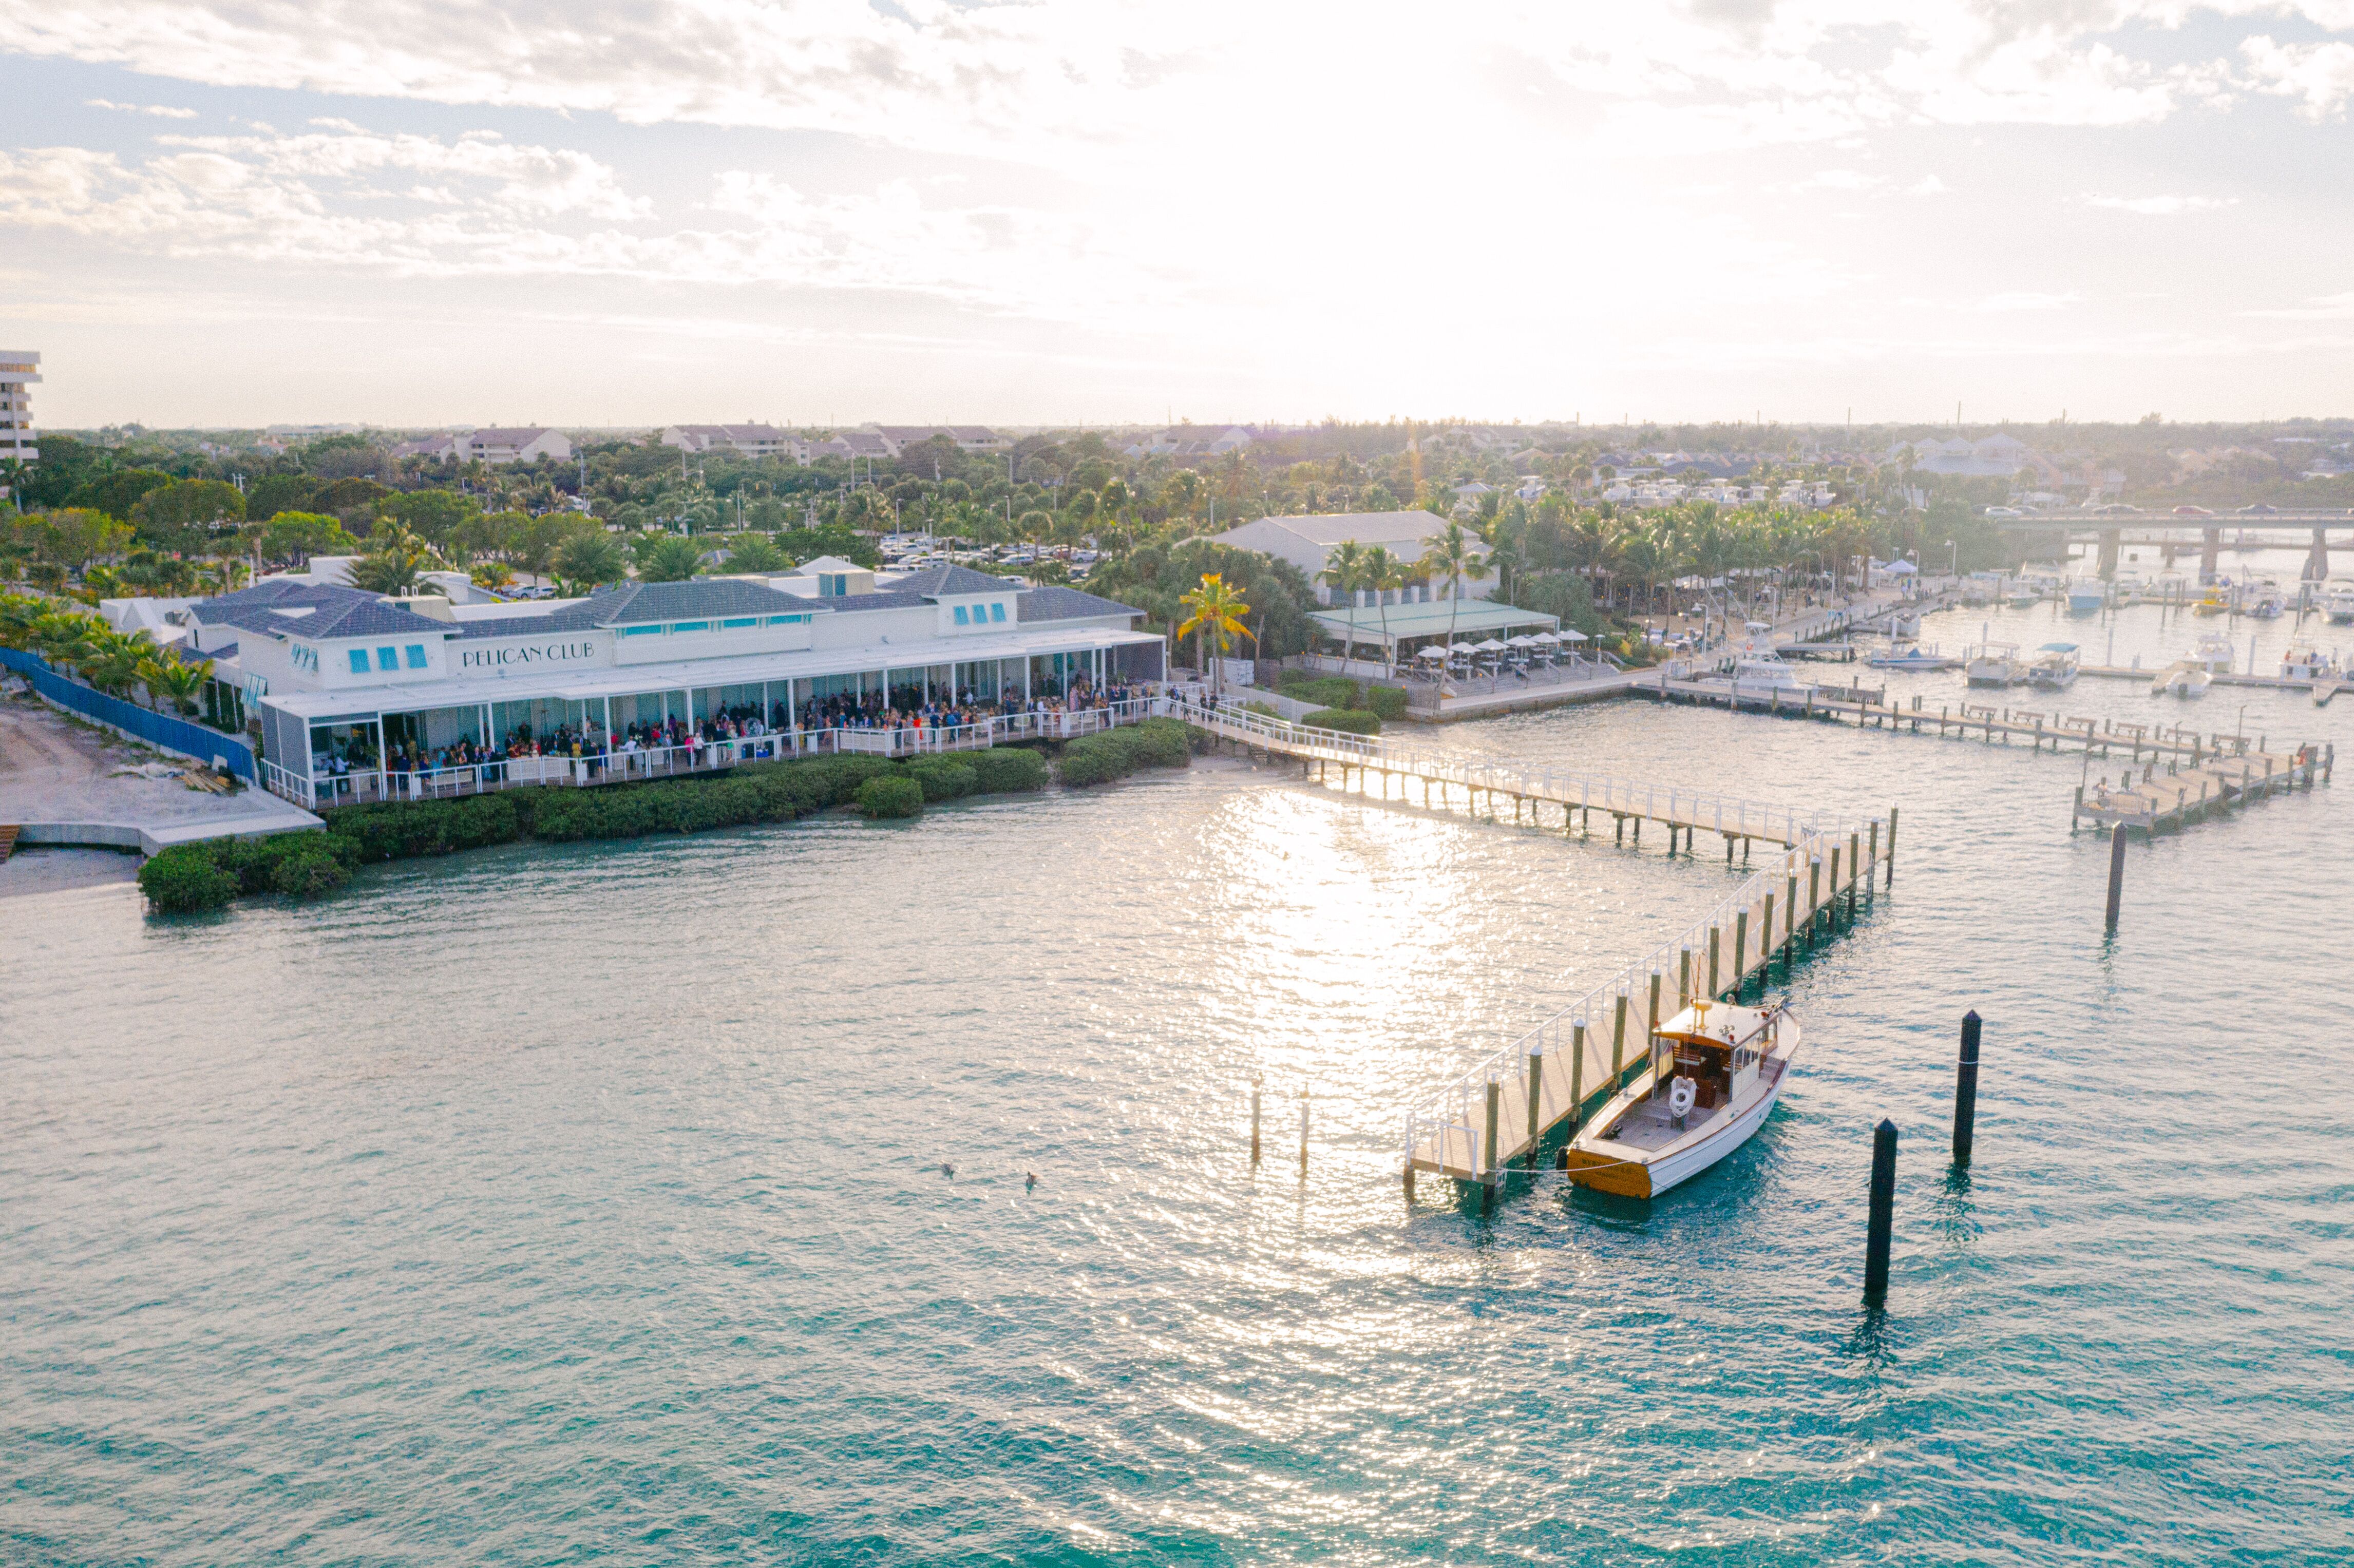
(2179, 795)
(1814, 875)
(1988, 722)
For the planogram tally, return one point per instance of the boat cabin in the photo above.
(1716, 1044)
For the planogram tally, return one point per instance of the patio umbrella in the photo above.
(1432, 652)
(1573, 637)
(1523, 641)
(1489, 646)
(1545, 637)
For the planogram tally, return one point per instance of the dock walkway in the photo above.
(1504, 1107)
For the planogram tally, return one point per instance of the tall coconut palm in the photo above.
(1216, 611)
(1453, 552)
(1344, 569)
(1385, 574)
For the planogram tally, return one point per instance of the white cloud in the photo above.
(2002, 305)
(1928, 184)
(2321, 308)
(160, 110)
(2158, 205)
(2320, 76)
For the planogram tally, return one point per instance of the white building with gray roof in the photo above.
(322, 664)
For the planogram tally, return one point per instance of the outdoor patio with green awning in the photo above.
(1409, 625)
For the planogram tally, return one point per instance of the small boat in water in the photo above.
(2186, 678)
(2214, 601)
(2213, 653)
(2054, 667)
(2086, 595)
(2305, 662)
(2339, 603)
(1764, 670)
(2269, 602)
(1913, 658)
(1994, 664)
(1716, 1072)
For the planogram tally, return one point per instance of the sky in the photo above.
(423, 212)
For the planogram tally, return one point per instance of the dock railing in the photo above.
(1701, 808)
(1553, 1070)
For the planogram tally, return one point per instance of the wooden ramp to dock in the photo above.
(2179, 795)
(1503, 1108)
(1382, 764)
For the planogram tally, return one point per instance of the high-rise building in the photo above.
(19, 368)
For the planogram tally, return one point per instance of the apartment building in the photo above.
(19, 368)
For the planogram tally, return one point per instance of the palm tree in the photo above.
(590, 561)
(670, 559)
(1384, 573)
(169, 675)
(1344, 569)
(1217, 611)
(1451, 553)
(392, 566)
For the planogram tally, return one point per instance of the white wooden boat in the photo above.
(2213, 653)
(2305, 662)
(1913, 658)
(1716, 1071)
(1994, 664)
(1764, 672)
(2185, 678)
(2054, 667)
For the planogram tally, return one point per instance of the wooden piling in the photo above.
(1713, 989)
(1741, 945)
(1536, 1101)
(1494, 1160)
(1892, 841)
(1303, 1132)
(2117, 873)
(1966, 1090)
(1882, 1216)
(1254, 1111)
(1618, 1041)
(1576, 1073)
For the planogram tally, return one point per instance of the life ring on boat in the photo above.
(1682, 1095)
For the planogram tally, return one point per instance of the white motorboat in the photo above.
(1981, 587)
(2054, 667)
(1904, 626)
(1994, 664)
(1715, 1074)
(1915, 658)
(2086, 595)
(2339, 603)
(2023, 596)
(2305, 662)
(2213, 653)
(2185, 678)
(1765, 670)
(2267, 602)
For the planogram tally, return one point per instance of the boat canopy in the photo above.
(1717, 1023)
(2057, 648)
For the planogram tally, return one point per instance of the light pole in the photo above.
(1953, 559)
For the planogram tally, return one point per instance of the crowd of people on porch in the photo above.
(904, 709)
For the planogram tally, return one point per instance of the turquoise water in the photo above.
(585, 1204)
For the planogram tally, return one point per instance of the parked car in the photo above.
(2192, 511)
(2004, 512)
(2259, 510)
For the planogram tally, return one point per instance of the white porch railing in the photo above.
(632, 764)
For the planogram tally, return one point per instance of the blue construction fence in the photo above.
(159, 729)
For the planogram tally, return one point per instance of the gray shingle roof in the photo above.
(334, 611)
(948, 581)
(639, 604)
(1053, 602)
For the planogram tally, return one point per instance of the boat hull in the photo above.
(1607, 1172)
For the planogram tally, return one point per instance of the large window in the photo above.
(415, 653)
(359, 661)
(387, 659)
(997, 613)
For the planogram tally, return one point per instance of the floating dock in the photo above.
(2179, 796)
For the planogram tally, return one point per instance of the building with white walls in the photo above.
(19, 368)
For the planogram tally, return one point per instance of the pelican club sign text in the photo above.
(526, 655)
